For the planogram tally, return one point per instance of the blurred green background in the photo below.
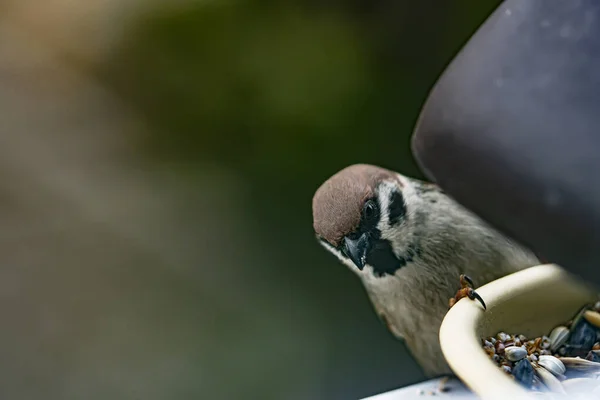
(158, 163)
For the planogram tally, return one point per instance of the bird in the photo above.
(410, 244)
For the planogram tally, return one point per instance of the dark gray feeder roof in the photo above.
(512, 128)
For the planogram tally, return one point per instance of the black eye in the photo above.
(370, 210)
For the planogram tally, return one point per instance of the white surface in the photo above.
(427, 390)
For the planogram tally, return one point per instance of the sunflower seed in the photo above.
(549, 380)
(581, 340)
(579, 364)
(552, 364)
(514, 353)
(558, 337)
(592, 317)
(523, 373)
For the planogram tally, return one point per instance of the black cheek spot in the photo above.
(383, 260)
(397, 208)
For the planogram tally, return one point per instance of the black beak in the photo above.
(357, 250)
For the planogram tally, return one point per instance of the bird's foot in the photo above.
(442, 385)
(440, 388)
(466, 290)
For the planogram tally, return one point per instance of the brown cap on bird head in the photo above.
(338, 203)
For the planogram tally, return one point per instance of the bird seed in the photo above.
(567, 361)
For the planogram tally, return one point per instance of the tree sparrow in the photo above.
(409, 242)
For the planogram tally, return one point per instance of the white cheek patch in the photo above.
(385, 191)
(398, 234)
(410, 195)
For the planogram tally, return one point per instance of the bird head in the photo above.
(360, 215)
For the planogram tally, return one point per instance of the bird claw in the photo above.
(466, 290)
(474, 295)
(466, 281)
(441, 387)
